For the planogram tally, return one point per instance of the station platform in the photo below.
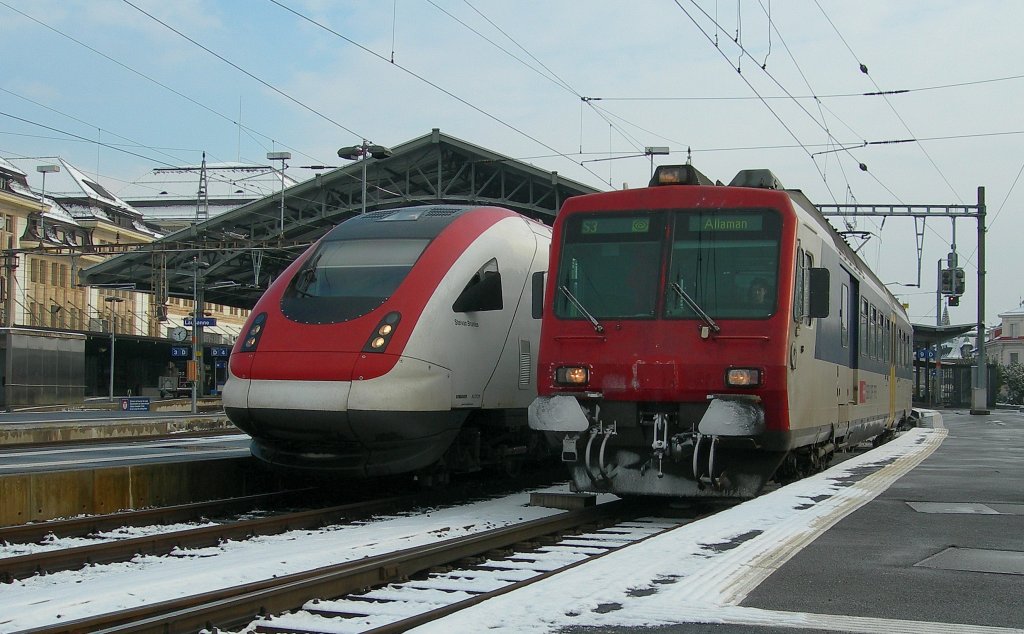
(104, 420)
(925, 535)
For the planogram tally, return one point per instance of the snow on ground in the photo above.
(706, 564)
(702, 571)
(65, 596)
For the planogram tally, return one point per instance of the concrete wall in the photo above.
(42, 496)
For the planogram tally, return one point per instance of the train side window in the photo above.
(799, 286)
(864, 330)
(482, 292)
(887, 340)
(844, 309)
(876, 343)
(808, 265)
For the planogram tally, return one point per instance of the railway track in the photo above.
(485, 564)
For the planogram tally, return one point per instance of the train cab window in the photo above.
(346, 279)
(482, 292)
(611, 266)
(726, 261)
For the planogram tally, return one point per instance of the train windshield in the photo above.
(346, 279)
(722, 263)
(727, 261)
(610, 265)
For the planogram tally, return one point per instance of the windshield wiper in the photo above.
(696, 307)
(575, 302)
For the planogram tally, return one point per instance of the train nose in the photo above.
(376, 424)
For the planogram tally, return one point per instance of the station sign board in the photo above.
(135, 404)
(202, 321)
(181, 352)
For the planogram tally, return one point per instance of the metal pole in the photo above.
(11, 264)
(363, 160)
(111, 393)
(195, 330)
(980, 400)
(282, 199)
(938, 294)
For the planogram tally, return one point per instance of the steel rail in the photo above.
(122, 550)
(81, 526)
(236, 606)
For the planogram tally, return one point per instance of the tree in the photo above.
(1013, 378)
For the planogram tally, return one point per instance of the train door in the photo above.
(846, 370)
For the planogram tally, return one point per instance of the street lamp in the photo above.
(354, 152)
(112, 301)
(280, 156)
(44, 170)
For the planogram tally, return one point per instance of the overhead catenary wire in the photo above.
(430, 83)
(546, 73)
(249, 131)
(864, 70)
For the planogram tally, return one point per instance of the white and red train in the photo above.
(698, 340)
(402, 341)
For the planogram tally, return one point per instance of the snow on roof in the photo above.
(96, 192)
(1018, 311)
(10, 167)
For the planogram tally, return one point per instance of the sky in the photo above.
(119, 87)
(771, 528)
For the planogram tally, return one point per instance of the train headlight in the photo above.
(252, 336)
(382, 334)
(743, 377)
(572, 375)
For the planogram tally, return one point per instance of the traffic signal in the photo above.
(958, 281)
(946, 281)
(954, 301)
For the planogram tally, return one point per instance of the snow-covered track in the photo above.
(237, 606)
(161, 543)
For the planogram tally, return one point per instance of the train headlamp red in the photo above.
(572, 375)
(743, 377)
(252, 336)
(382, 333)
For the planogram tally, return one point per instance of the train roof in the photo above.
(422, 221)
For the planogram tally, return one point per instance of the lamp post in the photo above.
(44, 170)
(112, 301)
(280, 156)
(361, 151)
(197, 331)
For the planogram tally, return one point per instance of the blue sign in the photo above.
(135, 404)
(202, 321)
(220, 352)
(183, 352)
(222, 364)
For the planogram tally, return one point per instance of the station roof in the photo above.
(925, 335)
(238, 253)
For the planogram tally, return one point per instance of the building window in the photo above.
(1013, 357)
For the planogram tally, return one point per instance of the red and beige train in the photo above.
(698, 340)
